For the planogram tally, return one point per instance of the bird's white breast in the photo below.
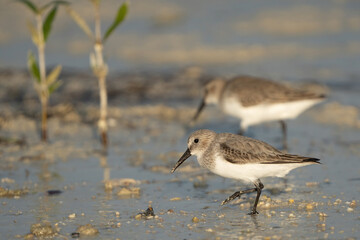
(250, 172)
(265, 112)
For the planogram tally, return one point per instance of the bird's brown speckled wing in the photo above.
(242, 150)
(251, 91)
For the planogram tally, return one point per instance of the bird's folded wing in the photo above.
(252, 152)
(251, 91)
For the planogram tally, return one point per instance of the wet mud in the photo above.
(70, 187)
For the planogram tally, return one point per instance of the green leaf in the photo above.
(55, 85)
(53, 76)
(48, 22)
(30, 5)
(121, 14)
(34, 33)
(33, 67)
(80, 22)
(56, 3)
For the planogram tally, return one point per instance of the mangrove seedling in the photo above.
(97, 63)
(44, 84)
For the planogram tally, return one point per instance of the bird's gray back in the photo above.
(242, 150)
(251, 91)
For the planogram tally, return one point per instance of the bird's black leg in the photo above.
(258, 187)
(241, 131)
(285, 181)
(238, 194)
(284, 132)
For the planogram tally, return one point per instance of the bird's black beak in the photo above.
(185, 156)
(201, 107)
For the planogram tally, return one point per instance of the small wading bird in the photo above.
(238, 157)
(256, 100)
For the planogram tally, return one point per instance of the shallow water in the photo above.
(285, 40)
(79, 172)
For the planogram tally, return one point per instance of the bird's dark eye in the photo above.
(196, 140)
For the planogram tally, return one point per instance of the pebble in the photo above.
(321, 226)
(175, 199)
(349, 209)
(53, 192)
(75, 235)
(72, 216)
(309, 206)
(183, 212)
(87, 230)
(195, 220)
(352, 204)
(42, 230)
(312, 184)
(147, 214)
(7, 180)
(122, 182)
(189, 227)
(9, 193)
(29, 236)
(128, 192)
(291, 215)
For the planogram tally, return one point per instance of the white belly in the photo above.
(252, 172)
(265, 112)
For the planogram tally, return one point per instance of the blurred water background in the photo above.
(286, 40)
